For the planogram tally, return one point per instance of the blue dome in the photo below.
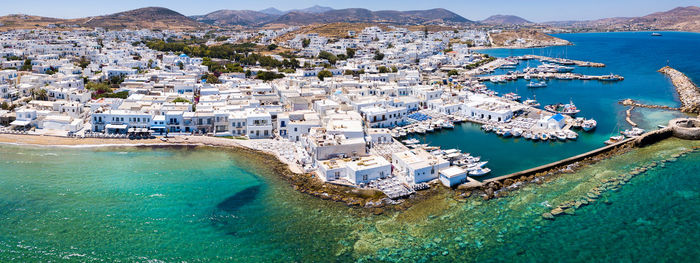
(184, 56)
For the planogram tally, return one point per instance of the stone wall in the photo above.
(688, 129)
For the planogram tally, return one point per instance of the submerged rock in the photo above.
(548, 216)
(557, 211)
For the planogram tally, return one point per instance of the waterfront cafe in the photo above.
(116, 128)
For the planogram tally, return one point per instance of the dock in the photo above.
(560, 76)
(687, 90)
(628, 117)
(563, 61)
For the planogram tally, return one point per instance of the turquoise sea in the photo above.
(216, 205)
(635, 55)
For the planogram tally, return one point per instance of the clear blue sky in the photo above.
(534, 10)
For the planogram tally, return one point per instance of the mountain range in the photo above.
(319, 14)
(681, 18)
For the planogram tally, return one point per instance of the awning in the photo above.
(115, 126)
(20, 123)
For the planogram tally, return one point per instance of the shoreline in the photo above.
(372, 201)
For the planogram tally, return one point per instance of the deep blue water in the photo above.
(635, 55)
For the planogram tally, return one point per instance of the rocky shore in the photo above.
(687, 90)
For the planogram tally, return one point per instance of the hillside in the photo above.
(19, 21)
(149, 18)
(525, 39)
(505, 20)
(680, 19)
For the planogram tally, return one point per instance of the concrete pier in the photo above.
(565, 61)
(687, 90)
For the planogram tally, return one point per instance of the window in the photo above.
(364, 177)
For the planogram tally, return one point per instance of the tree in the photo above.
(324, 74)
(328, 56)
(4, 105)
(350, 52)
(180, 65)
(83, 62)
(452, 72)
(271, 47)
(378, 55)
(268, 75)
(27, 65)
(180, 99)
(394, 69)
(211, 78)
(383, 69)
(305, 42)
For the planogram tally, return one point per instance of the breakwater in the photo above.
(680, 128)
(687, 90)
(633, 103)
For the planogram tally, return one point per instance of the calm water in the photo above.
(206, 204)
(636, 56)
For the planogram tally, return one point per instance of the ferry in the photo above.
(568, 109)
(537, 84)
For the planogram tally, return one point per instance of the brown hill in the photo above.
(505, 20)
(679, 19)
(148, 18)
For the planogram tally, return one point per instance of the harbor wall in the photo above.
(687, 90)
(640, 141)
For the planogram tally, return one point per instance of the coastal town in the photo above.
(342, 109)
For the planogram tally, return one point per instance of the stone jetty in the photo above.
(687, 90)
(633, 103)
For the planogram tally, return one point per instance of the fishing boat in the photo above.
(571, 135)
(568, 109)
(611, 77)
(561, 135)
(589, 125)
(536, 84)
(614, 139)
(448, 125)
(487, 128)
(544, 136)
(498, 79)
(479, 172)
(634, 132)
(411, 141)
(517, 132)
(535, 137)
(531, 103)
(512, 96)
(507, 132)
